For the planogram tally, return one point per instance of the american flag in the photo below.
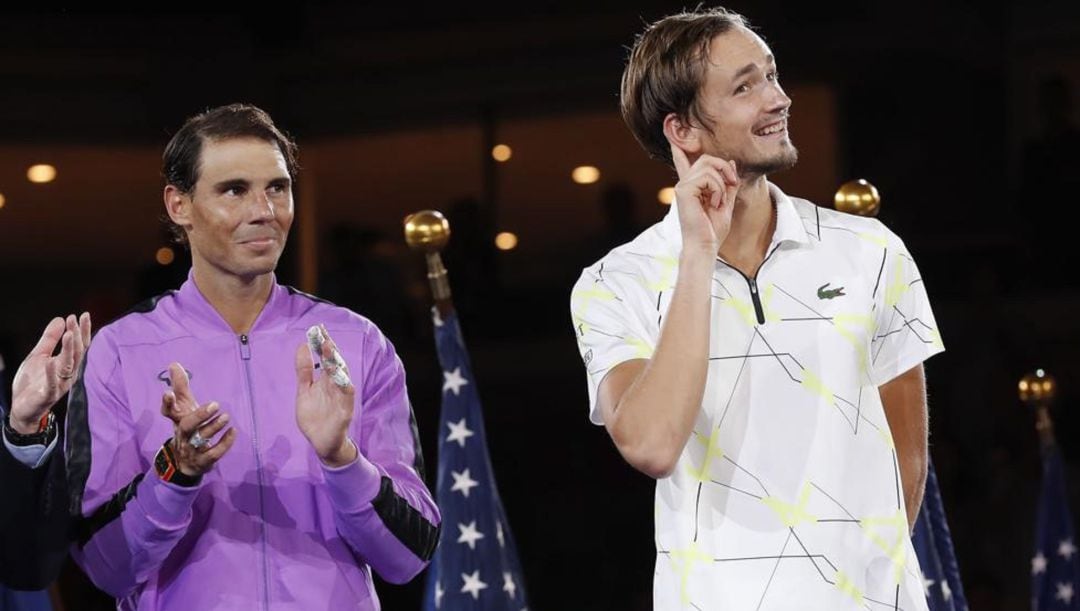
(1055, 572)
(933, 546)
(476, 565)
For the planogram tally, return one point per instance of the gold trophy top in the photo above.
(427, 230)
(857, 197)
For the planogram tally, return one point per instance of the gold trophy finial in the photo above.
(429, 231)
(1038, 390)
(857, 197)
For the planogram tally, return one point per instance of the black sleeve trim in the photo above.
(77, 431)
(406, 523)
(78, 426)
(418, 453)
(296, 291)
(108, 512)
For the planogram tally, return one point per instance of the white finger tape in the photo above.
(334, 365)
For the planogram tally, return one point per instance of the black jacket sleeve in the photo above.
(34, 520)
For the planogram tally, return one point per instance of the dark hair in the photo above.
(665, 72)
(181, 162)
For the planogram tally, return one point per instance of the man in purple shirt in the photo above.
(282, 482)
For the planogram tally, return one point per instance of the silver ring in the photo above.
(65, 377)
(197, 441)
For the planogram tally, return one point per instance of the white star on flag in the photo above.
(452, 380)
(499, 534)
(1067, 549)
(926, 583)
(473, 585)
(469, 534)
(438, 594)
(462, 482)
(508, 584)
(458, 432)
(1064, 592)
(945, 591)
(1038, 564)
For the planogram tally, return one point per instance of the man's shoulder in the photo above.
(834, 228)
(306, 310)
(147, 321)
(633, 260)
(812, 213)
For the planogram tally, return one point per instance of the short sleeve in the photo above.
(608, 333)
(905, 332)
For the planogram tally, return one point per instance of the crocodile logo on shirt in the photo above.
(164, 377)
(824, 292)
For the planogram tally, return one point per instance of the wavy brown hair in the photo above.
(665, 72)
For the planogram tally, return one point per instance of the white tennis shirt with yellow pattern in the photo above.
(787, 494)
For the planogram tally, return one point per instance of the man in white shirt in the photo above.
(34, 519)
(757, 355)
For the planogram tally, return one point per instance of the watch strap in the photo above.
(165, 466)
(43, 437)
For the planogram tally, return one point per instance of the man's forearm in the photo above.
(904, 402)
(34, 522)
(124, 541)
(393, 524)
(655, 416)
(913, 470)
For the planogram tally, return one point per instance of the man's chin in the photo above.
(777, 163)
(254, 269)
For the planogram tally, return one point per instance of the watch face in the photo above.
(162, 465)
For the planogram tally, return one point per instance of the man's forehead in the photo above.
(737, 48)
(241, 155)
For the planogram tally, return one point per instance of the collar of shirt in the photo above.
(789, 225)
(198, 311)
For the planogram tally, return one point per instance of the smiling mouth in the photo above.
(774, 128)
(260, 241)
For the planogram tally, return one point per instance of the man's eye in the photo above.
(742, 88)
(773, 76)
(234, 191)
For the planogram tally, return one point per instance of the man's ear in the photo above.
(682, 134)
(177, 206)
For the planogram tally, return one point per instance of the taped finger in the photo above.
(330, 359)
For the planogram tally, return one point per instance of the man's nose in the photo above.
(780, 101)
(263, 206)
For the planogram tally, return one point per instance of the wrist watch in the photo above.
(44, 435)
(165, 465)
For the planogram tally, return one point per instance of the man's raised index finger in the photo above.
(179, 382)
(682, 162)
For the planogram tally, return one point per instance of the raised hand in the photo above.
(325, 408)
(194, 455)
(706, 198)
(42, 379)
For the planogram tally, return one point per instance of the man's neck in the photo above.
(238, 300)
(752, 225)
